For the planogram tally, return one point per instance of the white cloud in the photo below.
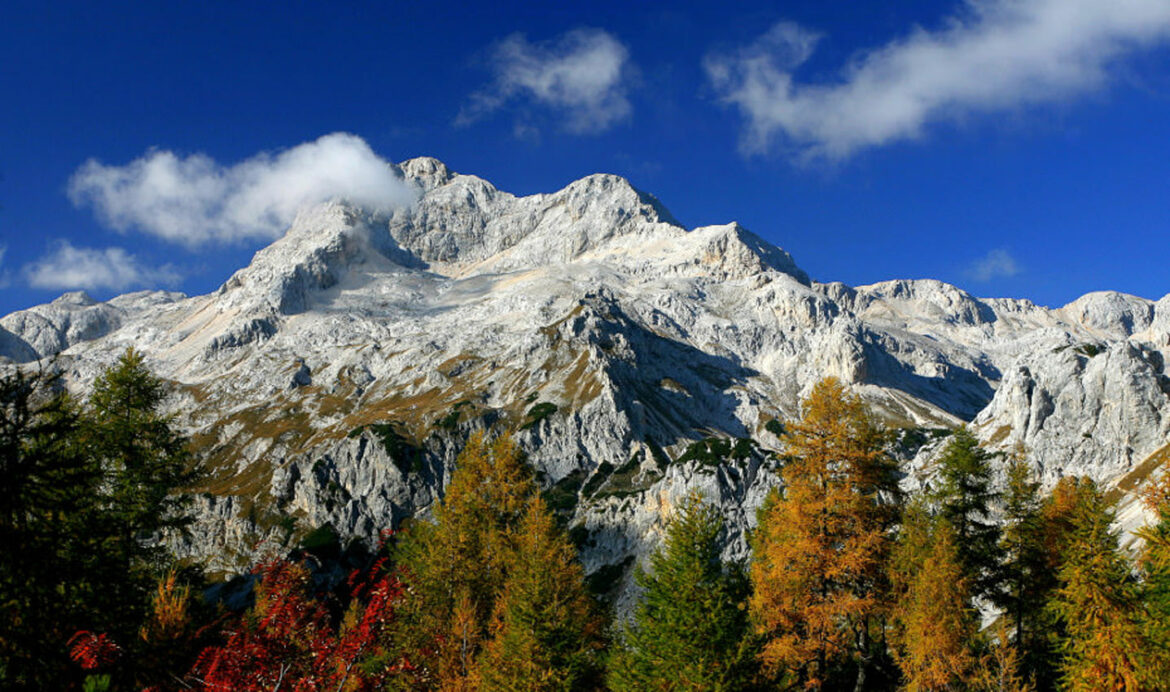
(194, 200)
(581, 75)
(995, 55)
(66, 266)
(994, 265)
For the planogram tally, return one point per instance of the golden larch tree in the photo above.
(454, 567)
(1099, 606)
(546, 633)
(820, 553)
(934, 622)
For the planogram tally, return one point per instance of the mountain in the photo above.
(334, 379)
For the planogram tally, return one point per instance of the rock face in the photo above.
(334, 379)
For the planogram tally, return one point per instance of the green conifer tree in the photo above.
(964, 496)
(48, 493)
(690, 629)
(1024, 581)
(146, 465)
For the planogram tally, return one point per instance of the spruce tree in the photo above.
(146, 464)
(964, 496)
(1024, 582)
(49, 495)
(545, 634)
(1098, 603)
(689, 630)
(819, 556)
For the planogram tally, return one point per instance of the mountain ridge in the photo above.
(470, 307)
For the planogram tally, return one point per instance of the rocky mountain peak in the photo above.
(334, 378)
(1111, 312)
(427, 171)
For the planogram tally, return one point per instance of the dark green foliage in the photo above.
(913, 439)
(690, 627)
(1025, 578)
(964, 497)
(451, 420)
(49, 494)
(775, 427)
(604, 469)
(538, 413)
(322, 541)
(146, 465)
(623, 481)
(288, 526)
(562, 496)
(715, 451)
(606, 578)
(579, 536)
(1089, 350)
(88, 493)
(407, 457)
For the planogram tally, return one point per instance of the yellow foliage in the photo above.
(935, 624)
(169, 610)
(820, 551)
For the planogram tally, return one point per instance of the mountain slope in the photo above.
(334, 378)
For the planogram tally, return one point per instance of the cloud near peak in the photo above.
(998, 263)
(69, 267)
(582, 76)
(997, 55)
(194, 200)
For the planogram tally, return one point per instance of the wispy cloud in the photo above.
(995, 55)
(582, 76)
(994, 265)
(66, 267)
(194, 200)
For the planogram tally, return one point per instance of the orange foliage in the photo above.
(935, 621)
(821, 548)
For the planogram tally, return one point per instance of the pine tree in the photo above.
(934, 623)
(819, 556)
(146, 465)
(690, 627)
(49, 493)
(145, 459)
(964, 496)
(546, 634)
(1024, 582)
(1099, 606)
(455, 567)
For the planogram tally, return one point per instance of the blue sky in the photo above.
(1015, 148)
